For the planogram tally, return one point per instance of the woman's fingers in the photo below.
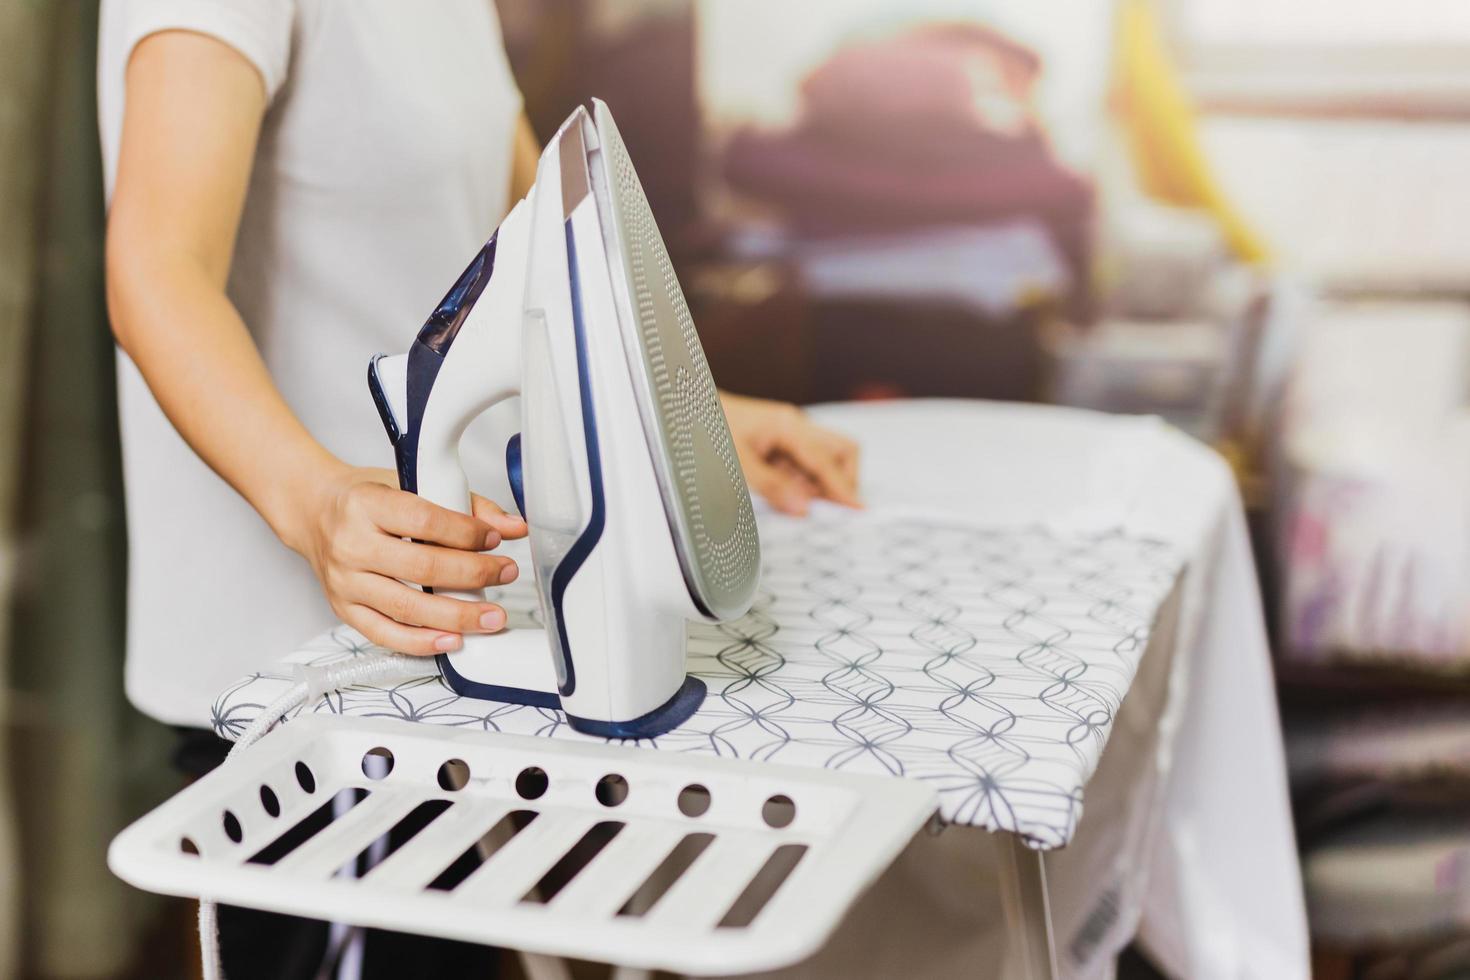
(436, 567)
(409, 606)
(794, 472)
(821, 463)
(785, 488)
(846, 451)
(386, 632)
(371, 538)
(776, 440)
(408, 515)
(508, 525)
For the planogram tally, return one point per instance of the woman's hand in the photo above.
(787, 458)
(194, 107)
(353, 534)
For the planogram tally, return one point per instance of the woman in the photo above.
(292, 186)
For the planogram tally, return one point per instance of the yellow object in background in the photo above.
(1161, 131)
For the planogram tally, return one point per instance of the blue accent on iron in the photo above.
(515, 473)
(439, 331)
(426, 357)
(465, 687)
(582, 547)
(667, 716)
(380, 399)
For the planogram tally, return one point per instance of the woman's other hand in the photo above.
(353, 534)
(787, 458)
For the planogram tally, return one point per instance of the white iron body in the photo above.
(554, 325)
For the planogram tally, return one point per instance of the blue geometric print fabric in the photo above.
(988, 662)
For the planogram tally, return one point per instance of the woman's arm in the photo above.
(193, 113)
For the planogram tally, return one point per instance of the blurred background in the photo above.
(1247, 216)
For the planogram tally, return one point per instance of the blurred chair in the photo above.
(917, 200)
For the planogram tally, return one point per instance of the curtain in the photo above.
(20, 73)
(80, 762)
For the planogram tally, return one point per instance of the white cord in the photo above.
(315, 682)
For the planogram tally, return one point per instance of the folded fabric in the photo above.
(992, 269)
(1375, 503)
(1398, 743)
(819, 183)
(1398, 877)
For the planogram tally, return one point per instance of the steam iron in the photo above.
(623, 468)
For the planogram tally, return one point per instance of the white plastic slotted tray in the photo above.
(625, 855)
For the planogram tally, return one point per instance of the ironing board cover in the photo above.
(989, 662)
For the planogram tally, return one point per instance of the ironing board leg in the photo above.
(631, 973)
(540, 966)
(1030, 951)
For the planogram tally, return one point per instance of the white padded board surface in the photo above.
(988, 663)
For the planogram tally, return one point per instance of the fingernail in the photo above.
(492, 539)
(447, 642)
(492, 620)
(508, 573)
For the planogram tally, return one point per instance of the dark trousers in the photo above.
(282, 947)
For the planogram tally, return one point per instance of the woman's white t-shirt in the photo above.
(383, 164)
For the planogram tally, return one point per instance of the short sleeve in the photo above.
(259, 29)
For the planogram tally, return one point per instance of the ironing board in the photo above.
(987, 661)
(979, 630)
